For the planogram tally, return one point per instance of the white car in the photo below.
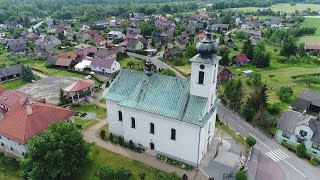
(88, 77)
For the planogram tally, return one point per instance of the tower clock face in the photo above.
(202, 66)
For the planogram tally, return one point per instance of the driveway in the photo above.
(48, 88)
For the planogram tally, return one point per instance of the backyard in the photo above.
(312, 21)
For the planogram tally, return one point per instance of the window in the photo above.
(316, 146)
(133, 123)
(202, 66)
(209, 128)
(286, 134)
(151, 128)
(120, 115)
(201, 77)
(173, 134)
(303, 133)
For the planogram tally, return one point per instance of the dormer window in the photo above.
(201, 77)
(303, 133)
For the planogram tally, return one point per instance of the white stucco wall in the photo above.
(115, 67)
(8, 143)
(184, 148)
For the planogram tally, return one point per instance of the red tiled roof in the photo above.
(242, 58)
(98, 38)
(20, 126)
(201, 36)
(67, 56)
(79, 85)
(92, 32)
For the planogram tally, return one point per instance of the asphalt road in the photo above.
(272, 154)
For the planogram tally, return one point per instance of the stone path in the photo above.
(90, 136)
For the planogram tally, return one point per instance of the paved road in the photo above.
(36, 25)
(157, 63)
(271, 152)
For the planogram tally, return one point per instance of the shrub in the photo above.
(274, 108)
(111, 137)
(172, 176)
(288, 146)
(251, 141)
(79, 126)
(301, 150)
(131, 145)
(106, 173)
(142, 175)
(313, 162)
(1, 154)
(120, 140)
(160, 176)
(285, 93)
(9, 161)
(184, 177)
(241, 175)
(122, 174)
(103, 134)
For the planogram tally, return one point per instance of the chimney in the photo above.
(29, 110)
(22, 101)
(1, 116)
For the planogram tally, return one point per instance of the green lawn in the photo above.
(138, 63)
(282, 7)
(100, 111)
(311, 40)
(11, 173)
(85, 123)
(239, 139)
(14, 84)
(99, 157)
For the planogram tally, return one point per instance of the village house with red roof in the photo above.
(22, 117)
(79, 90)
(241, 60)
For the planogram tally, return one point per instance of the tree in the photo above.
(63, 99)
(27, 74)
(221, 40)
(241, 175)
(240, 35)
(56, 153)
(288, 47)
(90, 42)
(102, 134)
(261, 58)
(248, 111)
(247, 49)
(251, 141)
(106, 173)
(301, 51)
(285, 93)
(234, 93)
(255, 79)
(224, 51)
(301, 150)
(191, 51)
(61, 36)
(168, 72)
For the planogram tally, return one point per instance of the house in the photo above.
(254, 34)
(220, 27)
(106, 52)
(296, 127)
(10, 73)
(45, 50)
(84, 50)
(181, 43)
(82, 26)
(229, 42)
(82, 36)
(164, 114)
(240, 60)
(133, 31)
(247, 24)
(199, 37)
(276, 23)
(105, 65)
(69, 34)
(307, 101)
(49, 39)
(172, 52)
(309, 48)
(99, 40)
(224, 74)
(255, 18)
(101, 23)
(22, 118)
(32, 36)
(63, 60)
(79, 91)
(16, 45)
(133, 44)
(113, 35)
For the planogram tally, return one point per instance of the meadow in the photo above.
(282, 7)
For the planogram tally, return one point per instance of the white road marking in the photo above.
(277, 155)
(294, 168)
(260, 141)
(242, 128)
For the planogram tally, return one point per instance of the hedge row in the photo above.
(141, 52)
(304, 75)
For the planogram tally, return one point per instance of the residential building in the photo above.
(10, 73)
(22, 118)
(168, 115)
(309, 48)
(105, 65)
(295, 127)
(240, 60)
(113, 35)
(63, 60)
(224, 74)
(181, 43)
(172, 52)
(16, 45)
(84, 50)
(276, 23)
(79, 90)
(82, 36)
(307, 101)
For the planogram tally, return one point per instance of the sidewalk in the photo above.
(90, 136)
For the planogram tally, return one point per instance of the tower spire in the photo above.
(149, 66)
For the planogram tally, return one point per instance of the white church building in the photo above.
(168, 115)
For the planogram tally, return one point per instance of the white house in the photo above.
(113, 35)
(168, 115)
(105, 65)
(22, 117)
(295, 127)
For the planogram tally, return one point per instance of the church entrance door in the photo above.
(151, 146)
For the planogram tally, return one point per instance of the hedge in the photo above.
(141, 52)
(304, 75)
(86, 73)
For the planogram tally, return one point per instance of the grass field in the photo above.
(99, 157)
(14, 84)
(85, 123)
(282, 7)
(100, 111)
(311, 40)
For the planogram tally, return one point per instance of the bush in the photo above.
(313, 162)
(184, 177)
(301, 150)
(241, 175)
(274, 108)
(172, 176)
(131, 145)
(122, 174)
(9, 161)
(1, 154)
(120, 141)
(103, 134)
(160, 176)
(288, 146)
(285, 93)
(106, 173)
(142, 175)
(251, 141)
(111, 137)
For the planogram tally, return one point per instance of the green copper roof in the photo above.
(158, 94)
(214, 59)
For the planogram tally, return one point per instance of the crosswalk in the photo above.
(277, 155)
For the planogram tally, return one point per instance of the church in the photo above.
(168, 115)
